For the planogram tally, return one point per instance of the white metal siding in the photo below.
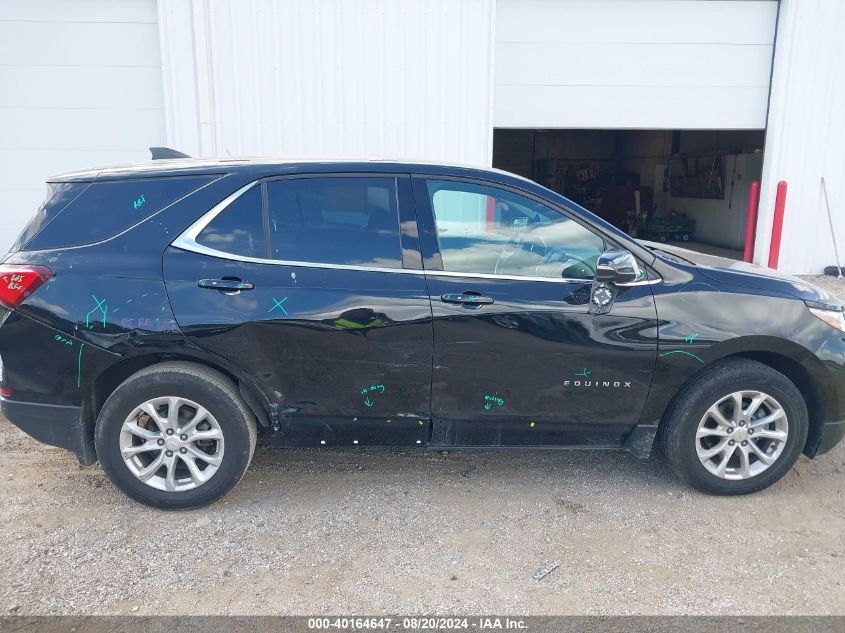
(651, 64)
(806, 136)
(329, 78)
(81, 86)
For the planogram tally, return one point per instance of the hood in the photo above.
(741, 273)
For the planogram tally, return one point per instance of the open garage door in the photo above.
(628, 64)
(685, 186)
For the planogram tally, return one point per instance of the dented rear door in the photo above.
(330, 312)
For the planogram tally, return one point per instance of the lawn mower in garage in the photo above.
(678, 228)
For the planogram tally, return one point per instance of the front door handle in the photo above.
(227, 284)
(469, 297)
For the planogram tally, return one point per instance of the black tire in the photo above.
(197, 383)
(680, 424)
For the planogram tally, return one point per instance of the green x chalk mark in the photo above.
(278, 304)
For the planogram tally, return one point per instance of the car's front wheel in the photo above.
(175, 435)
(737, 428)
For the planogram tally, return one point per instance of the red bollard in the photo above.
(777, 225)
(751, 223)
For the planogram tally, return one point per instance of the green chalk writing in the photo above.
(102, 307)
(680, 351)
(365, 391)
(278, 304)
(490, 400)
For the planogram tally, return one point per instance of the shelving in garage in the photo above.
(668, 175)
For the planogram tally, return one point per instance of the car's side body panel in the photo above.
(329, 347)
(536, 368)
(703, 321)
(539, 366)
(310, 373)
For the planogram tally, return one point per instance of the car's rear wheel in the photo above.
(175, 435)
(737, 428)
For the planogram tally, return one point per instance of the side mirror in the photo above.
(618, 267)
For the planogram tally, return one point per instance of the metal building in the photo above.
(675, 104)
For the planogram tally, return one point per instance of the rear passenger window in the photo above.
(107, 208)
(239, 228)
(335, 220)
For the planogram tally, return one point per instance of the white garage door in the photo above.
(81, 86)
(650, 64)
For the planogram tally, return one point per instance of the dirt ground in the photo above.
(405, 531)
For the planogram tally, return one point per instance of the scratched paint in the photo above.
(138, 202)
(150, 318)
(690, 338)
(584, 372)
(161, 224)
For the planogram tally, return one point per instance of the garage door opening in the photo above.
(688, 187)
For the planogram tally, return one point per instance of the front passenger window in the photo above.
(487, 230)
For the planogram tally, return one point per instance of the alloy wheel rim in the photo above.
(171, 444)
(742, 435)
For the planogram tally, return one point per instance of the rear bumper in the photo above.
(56, 425)
(831, 434)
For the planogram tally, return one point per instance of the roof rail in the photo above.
(162, 153)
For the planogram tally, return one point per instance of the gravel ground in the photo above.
(403, 531)
(834, 285)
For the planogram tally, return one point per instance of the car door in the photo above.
(307, 284)
(523, 355)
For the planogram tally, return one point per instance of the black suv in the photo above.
(158, 316)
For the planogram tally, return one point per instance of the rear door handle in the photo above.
(468, 297)
(227, 284)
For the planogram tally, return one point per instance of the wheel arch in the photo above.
(806, 379)
(111, 377)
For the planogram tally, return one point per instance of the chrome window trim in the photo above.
(204, 250)
(554, 280)
(644, 282)
(187, 241)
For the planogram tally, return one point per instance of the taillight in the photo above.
(17, 282)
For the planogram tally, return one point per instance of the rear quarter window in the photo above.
(104, 209)
(59, 195)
